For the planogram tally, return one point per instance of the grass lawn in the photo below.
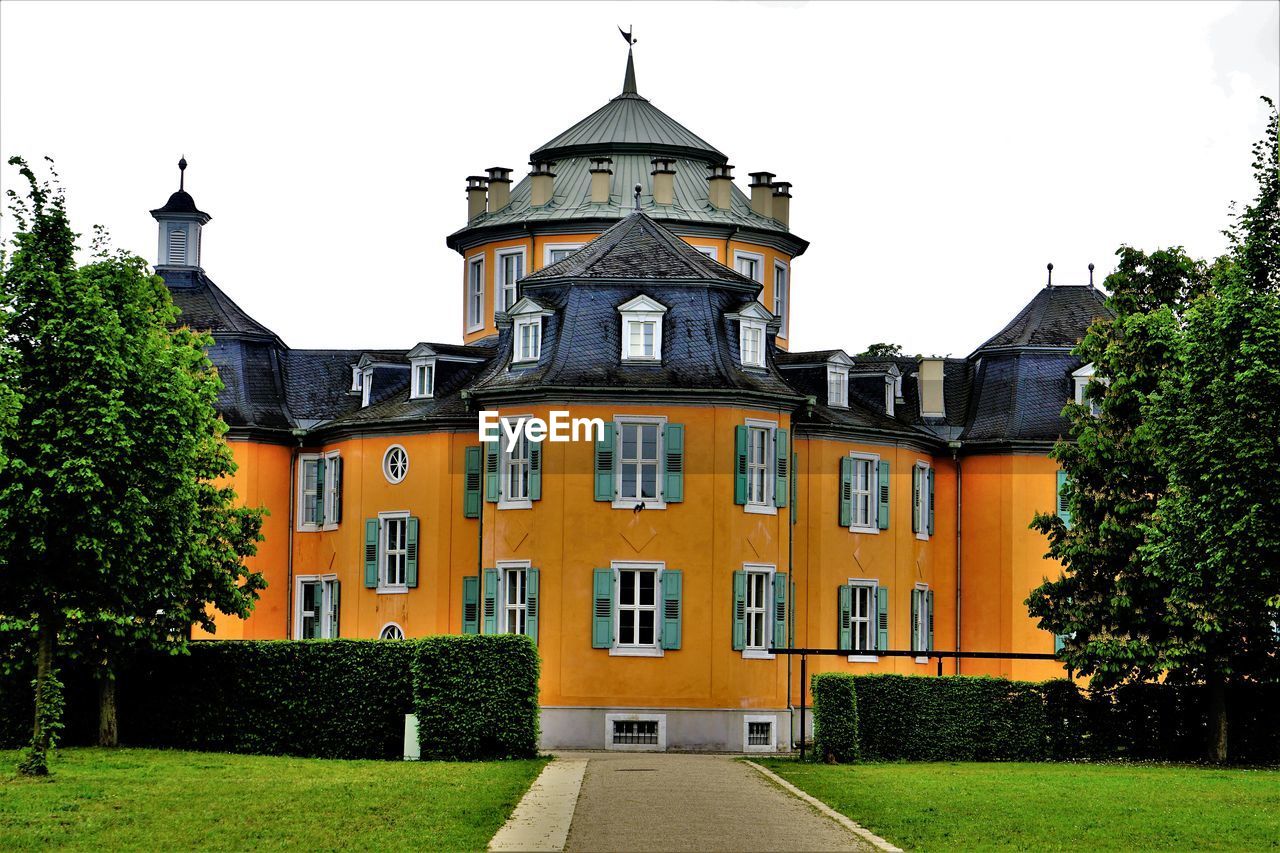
(161, 799)
(1050, 806)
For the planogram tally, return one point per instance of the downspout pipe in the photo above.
(299, 435)
(955, 458)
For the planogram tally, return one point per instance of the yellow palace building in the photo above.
(737, 495)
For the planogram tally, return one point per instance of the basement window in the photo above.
(635, 732)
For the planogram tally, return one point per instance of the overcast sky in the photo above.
(940, 154)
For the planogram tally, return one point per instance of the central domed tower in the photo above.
(625, 156)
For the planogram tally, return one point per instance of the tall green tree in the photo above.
(118, 523)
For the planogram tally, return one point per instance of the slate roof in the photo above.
(181, 202)
(205, 307)
(1056, 317)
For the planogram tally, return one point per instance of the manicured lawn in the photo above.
(159, 799)
(1050, 806)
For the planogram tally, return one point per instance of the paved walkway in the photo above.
(639, 801)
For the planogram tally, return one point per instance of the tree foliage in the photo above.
(882, 350)
(119, 522)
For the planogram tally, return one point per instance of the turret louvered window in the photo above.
(178, 246)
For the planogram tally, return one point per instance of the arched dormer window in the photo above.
(642, 329)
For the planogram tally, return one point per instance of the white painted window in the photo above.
(316, 611)
(509, 271)
(475, 293)
(749, 264)
(528, 340)
(311, 491)
(391, 631)
(395, 464)
(759, 609)
(920, 499)
(366, 386)
(639, 460)
(709, 251)
(890, 393)
(642, 340)
(637, 608)
(866, 505)
(1081, 379)
(781, 293)
(642, 329)
(557, 252)
(760, 462)
(751, 342)
(514, 468)
(920, 625)
(395, 549)
(357, 378)
(837, 386)
(515, 604)
(424, 378)
(862, 615)
(318, 493)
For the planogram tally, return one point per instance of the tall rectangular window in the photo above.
(920, 500)
(759, 609)
(515, 470)
(750, 265)
(515, 602)
(317, 613)
(864, 496)
(312, 490)
(528, 336)
(637, 608)
(862, 617)
(394, 550)
(475, 292)
(642, 339)
(780, 294)
(510, 271)
(922, 617)
(638, 460)
(423, 380)
(837, 386)
(759, 465)
(752, 343)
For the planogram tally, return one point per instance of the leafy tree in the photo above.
(119, 524)
(880, 350)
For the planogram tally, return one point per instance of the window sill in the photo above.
(757, 654)
(630, 503)
(526, 504)
(639, 359)
(761, 509)
(923, 537)
(392, 590)
(875, 531)
(864, 659)
(924, 659)
(636, 652)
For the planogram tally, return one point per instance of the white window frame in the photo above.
(759, 651)
(558, 247)
(660, 719)
(770, 467)
(500, 283)
(357, 378)
(384, 530)
(782, 307)
(756, 257)
(505, 501)
(890, 394)
(419, 392)
(747, 720)
(518, 356)
(840, 374)
(505, 566)
(920, 498)
(642, 309)
(620, 502)
(326, 492)
(1081, 379)
(872, 618)
(394, 625)
(710, 251)
(386, 464)
(920, 628)
(648, 650)
(475, 318)
(754, 327)
(873, 494)
(366, 386)
(326, 614)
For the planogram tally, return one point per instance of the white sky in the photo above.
(941, 154)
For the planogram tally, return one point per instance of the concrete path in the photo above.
(639, 801)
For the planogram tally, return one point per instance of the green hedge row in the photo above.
(835, 718)
(966, 718)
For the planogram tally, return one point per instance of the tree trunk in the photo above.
(36, 761)
(108, 734)
(1217, 719)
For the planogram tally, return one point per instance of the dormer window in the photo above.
(752, 343)
(366, 385)
(424, 378)
(528, 337)
(1081, 379)
(837, 386)
(642, 329)
(890, 394)
(357, 378)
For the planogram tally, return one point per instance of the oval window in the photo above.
(395, 464)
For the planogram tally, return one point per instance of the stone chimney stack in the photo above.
(762, 193)
(542, 181)
(782, 203)
(477, 186)
(719, 186)
(499, 188)
(664, 180)
(600, 173)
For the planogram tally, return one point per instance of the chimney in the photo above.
(664, 180)
(719, 186)
(542, 180)
(476, 188)
(600, 173)
(762, 193)
(499, 188)
(929, 378)
(782, 203)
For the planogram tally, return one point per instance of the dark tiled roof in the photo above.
(811, 357)
(181, 202)
(205, 307)
(1019, 396)
(1056, 317)
(318, 383)
(639, 248)
(252, 394)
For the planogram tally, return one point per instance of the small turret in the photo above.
(180, 224)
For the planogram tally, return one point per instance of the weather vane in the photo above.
(626, 34)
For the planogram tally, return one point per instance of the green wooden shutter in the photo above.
(671, 608)
(781, 467)
(1064, 502)
(602, 606)
(604, 480)
(531, 604)
(491, 471)
(335, 596)
(411, 552)
(882, 617)
(844, 627)
(490, 610)
(1059, 640)
(882, 482)
(930, 478)
(795, 463)
(928, 604)
(846, 492)
(337, 490)
(318, 518)
(780, 610)
(371, 553)
(535, 470)
(739, 611)
(915, 620)
(673, 473)
(740, 465)
(471, 603)
(471, 498)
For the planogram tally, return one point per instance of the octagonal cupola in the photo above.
(180, 225)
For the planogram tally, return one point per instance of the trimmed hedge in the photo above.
(476, 696)
(835, 717)
(977, 718)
